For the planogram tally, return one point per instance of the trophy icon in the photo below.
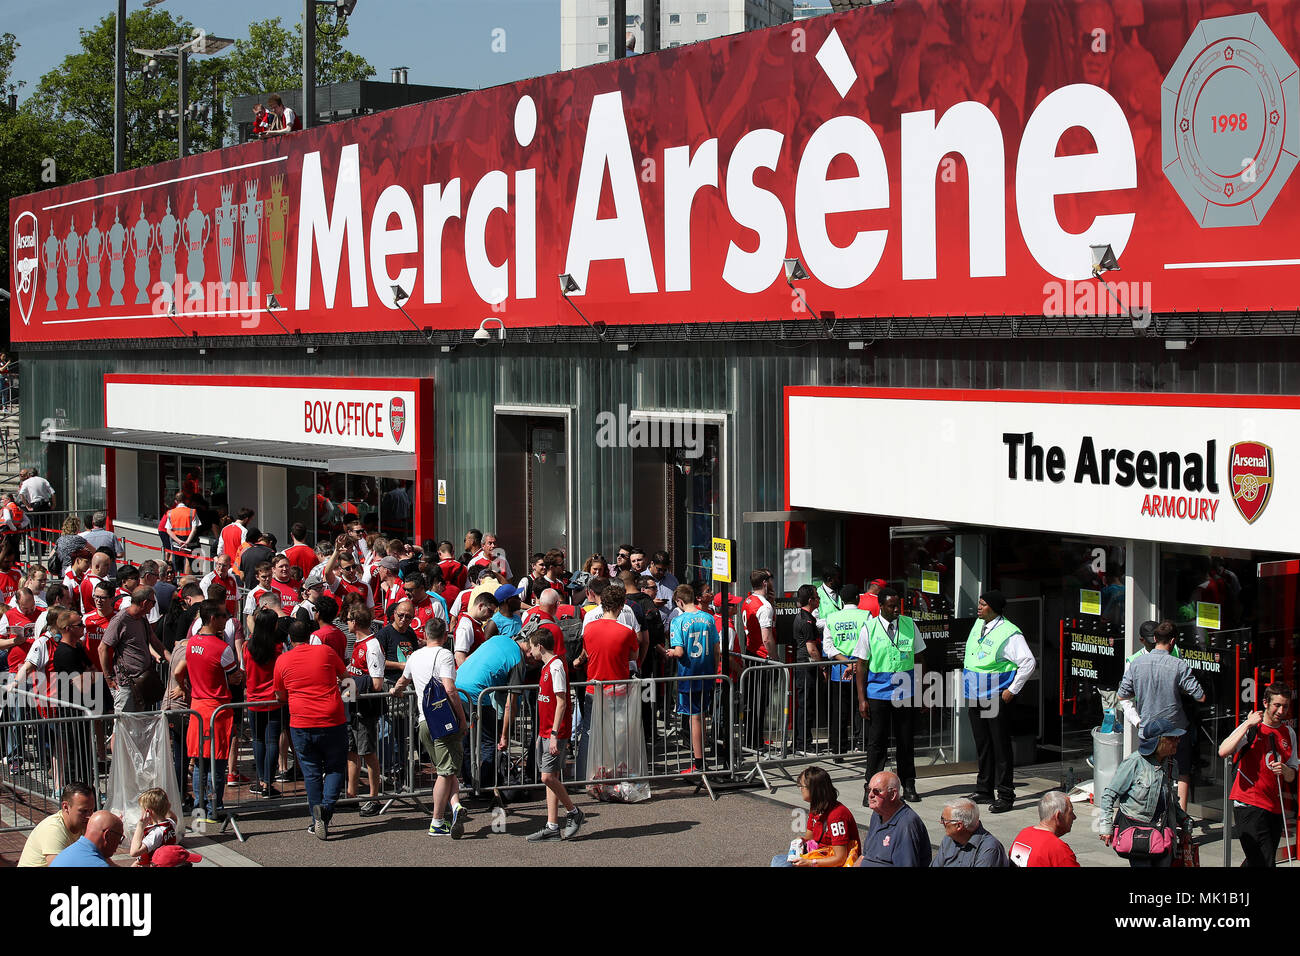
(117, 258)
(51, 249)
(250, 217)
(71, 256)
(166, 233)
(195, 232)
(142, 243)
(226, 214)
(92, 245)
(276, 215)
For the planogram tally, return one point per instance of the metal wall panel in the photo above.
(741, 380)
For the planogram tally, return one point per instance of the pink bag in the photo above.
(1141, 841)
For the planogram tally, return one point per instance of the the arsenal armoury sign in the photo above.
(1101, 464)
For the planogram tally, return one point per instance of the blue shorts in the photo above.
(695, 697)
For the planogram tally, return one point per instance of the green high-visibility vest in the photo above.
(888, 657)
(982, 652)
(830, 601)
(844, 627)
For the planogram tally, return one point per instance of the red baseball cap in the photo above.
(172, 855)
(733, 600)
(880, 583)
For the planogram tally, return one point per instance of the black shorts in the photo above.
(1183, 756)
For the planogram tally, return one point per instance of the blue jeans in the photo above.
(782, 859)
(488, 733)
(176, 725)
(323, 758)
(266, 743)
(214, 800)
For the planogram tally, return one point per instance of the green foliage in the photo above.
(270, 58)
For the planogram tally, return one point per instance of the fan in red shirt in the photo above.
(1264, 748)
(758, 619)
(389, 591)
(832, 834)
(307, 678)
(282, 583)
(299, 554)
(453, 572)
(100, 565)
(611, 647)
(220, 574)
(233, 536)
(72, 578)
(261, 652)
(327, 610)
(10, 576)
(1042, 845)
(343, 576)
(210, 668)
(732, 629)
(96, 621)
(548, 603)
(19, 629)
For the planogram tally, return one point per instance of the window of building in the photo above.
(701, 18)
(674, 43)
(630, 19)
(602, 47)
(674, 18)
(602, 21)
(146, 484)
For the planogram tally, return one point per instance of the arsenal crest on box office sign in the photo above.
(397, 419)
(1250, 475)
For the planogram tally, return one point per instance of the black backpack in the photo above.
(571, 628)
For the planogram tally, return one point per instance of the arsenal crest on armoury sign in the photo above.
(1250, 475)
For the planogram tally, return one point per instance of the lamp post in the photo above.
(342, 10)
(203, 43)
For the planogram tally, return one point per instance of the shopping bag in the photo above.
(617, 748)
(142, 759)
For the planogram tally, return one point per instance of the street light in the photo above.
(342, 10)
(795, 272)
(1104, 260)
(569, 286)
(202, 44)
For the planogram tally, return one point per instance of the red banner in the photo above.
(917, 158)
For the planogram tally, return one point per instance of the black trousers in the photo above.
(992, 732)
(899, 719)
(808, 700)
(843, 709)
(1260, 832)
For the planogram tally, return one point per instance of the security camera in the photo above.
(482, 336)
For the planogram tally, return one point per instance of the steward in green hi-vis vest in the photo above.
(985, 672)
(829, 602)
(844, 628)
(891, 662)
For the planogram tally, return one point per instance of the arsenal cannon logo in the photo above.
(397, 419)
(26, 260)
(1250, 475)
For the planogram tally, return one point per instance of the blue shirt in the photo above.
(446, 614)
(900, 841)
(83, 853)
(698, 635)
(508, 626)
(494, 664)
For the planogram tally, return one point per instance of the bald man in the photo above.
(897, 837)
(95, 848)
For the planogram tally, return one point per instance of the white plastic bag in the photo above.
(618, 744)
(142, 758)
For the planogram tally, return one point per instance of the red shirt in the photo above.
(449, 592)
(423, 613)
(310, 674)
(301, 556)
(1035, 847)
(353, 587)
(259, 681)
(94, 633)
(18, 653)
(834, 828)
(228, 582)
(74, 589)
(1254, 783)
(393, 595)
(552, 687)
(610, 645)
(232, 536)
(753, 630)
(332, 637)
(87, 590)
(207, 660)
(289, 596)
(9, 581)
(547, 622)
(454, 573)
(870, 602)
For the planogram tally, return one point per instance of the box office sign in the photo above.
(378, 414)
(1195, 469)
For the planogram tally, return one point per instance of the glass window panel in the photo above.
(168, 480)
(300, 483)
(396, 508)
(147, 487)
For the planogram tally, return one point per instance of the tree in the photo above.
(271, 58)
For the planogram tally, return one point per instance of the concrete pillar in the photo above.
(1141, 584)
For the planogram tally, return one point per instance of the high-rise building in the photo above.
(804, 10)
(584, 24)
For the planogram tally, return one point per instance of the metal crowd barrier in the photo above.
(402, 778)
(627, 732)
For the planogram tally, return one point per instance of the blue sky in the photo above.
(444, 42)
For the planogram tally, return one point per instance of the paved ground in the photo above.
(675, 827)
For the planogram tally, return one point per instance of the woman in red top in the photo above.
(260, 654)
(830, 823)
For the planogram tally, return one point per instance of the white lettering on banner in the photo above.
(1187, 470)
(320, 415)
(967, 128)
